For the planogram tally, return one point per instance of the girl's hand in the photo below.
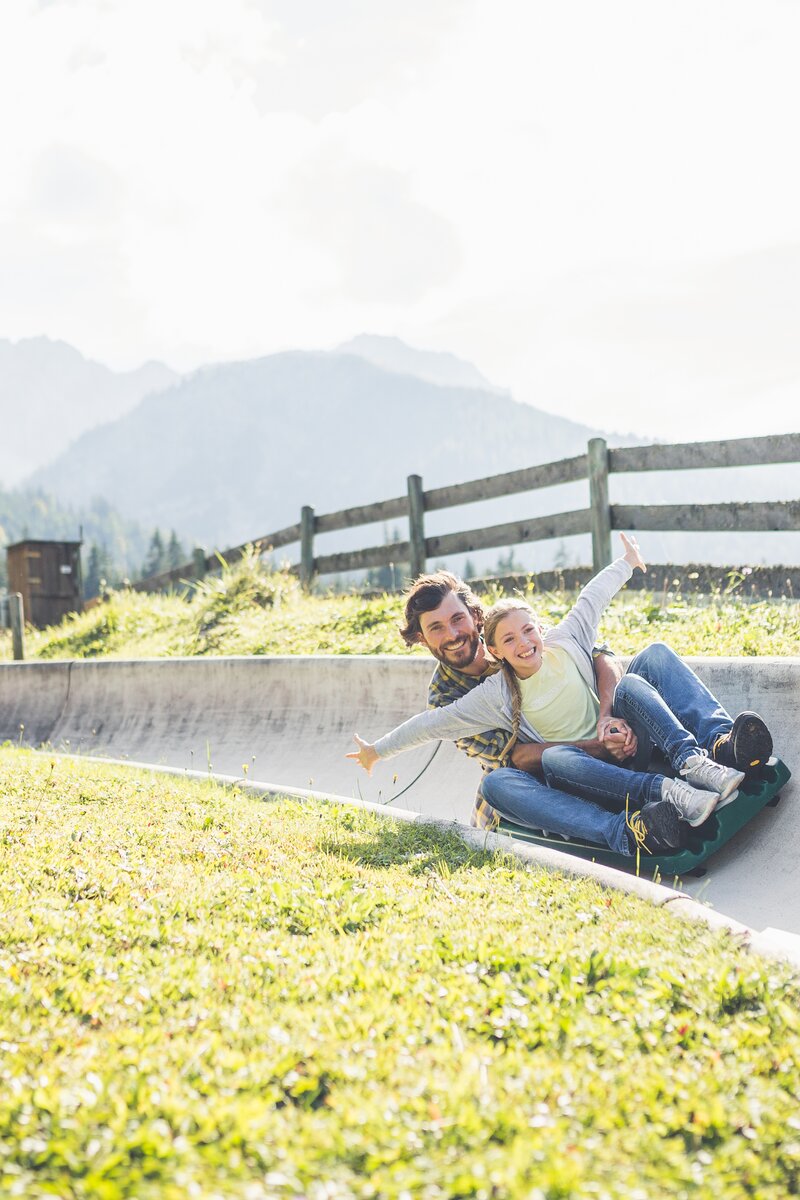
(365, 755)
(632, 554)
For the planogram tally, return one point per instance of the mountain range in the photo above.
(232, 451)
(50, 394)
(433, 366)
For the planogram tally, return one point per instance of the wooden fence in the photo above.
(12, 616)
(599, 519)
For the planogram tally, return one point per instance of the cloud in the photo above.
(387, 247)
(71, 188)
(74, 288)
(740, 314)
(518, 181)
(333, 57)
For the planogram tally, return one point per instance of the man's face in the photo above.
(450, 633)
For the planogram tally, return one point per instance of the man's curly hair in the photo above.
(427, 592)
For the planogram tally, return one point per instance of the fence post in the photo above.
(598, 499)
(416, 526)
(306, 545)
(17, 620)
(198, 563)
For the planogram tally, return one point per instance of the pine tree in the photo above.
(561, 558)
(98, 571)
(176, 556)
(507, 563)
(389, 576)
(155, 562)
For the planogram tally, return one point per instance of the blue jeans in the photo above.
(522, 798)
(668, 707)
(573, 769)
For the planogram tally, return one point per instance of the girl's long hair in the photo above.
(493, 618)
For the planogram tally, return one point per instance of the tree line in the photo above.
(115, 548)
(164, 553)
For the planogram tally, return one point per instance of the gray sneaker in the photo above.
(691, 804)
(702, 772)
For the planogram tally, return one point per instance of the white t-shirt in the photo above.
(557, 701)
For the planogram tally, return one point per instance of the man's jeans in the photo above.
(668, 707)
(522, 798)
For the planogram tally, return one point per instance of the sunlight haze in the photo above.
(597, 205)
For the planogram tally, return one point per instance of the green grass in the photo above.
(250, 610)
(207, 995)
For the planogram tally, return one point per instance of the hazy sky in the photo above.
(597, 203)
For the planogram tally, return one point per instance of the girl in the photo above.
(544, 695)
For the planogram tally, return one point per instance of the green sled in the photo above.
(754, 794)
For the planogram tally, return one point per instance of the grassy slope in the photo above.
(249, 611)
(202, 994)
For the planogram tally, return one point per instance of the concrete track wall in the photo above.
(289, 721)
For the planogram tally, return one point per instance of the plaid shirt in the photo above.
(447, 684)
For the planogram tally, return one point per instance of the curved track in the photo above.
(288, 722)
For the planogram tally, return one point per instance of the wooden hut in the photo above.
(48, 576)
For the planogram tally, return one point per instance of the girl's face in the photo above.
(518, 639)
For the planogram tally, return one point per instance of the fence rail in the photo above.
(599, 519)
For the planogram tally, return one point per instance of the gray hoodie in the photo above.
(489, 706)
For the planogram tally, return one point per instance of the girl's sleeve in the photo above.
(583, 618)
(474, 713)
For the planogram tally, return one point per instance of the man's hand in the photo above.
(527, 756)
(632, 554)
(617, 737)
(365, 755)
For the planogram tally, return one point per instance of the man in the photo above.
(443, 614)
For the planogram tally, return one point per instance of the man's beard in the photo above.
(461, 657)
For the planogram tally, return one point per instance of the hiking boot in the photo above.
(747, 746)
(704, 772)
(690, 803)
(654, 828)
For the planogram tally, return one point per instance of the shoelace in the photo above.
(723, 737)
(722, 740)
(635, 822)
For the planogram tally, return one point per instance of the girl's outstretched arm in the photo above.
(480, 710)
(366, 755)
(583, 618)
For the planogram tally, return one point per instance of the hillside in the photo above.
(250, 610)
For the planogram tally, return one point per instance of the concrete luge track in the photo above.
(289, 721)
